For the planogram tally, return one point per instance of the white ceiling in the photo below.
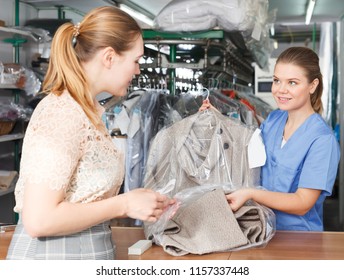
(290, 18)
(294, 10)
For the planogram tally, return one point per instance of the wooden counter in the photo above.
(285, 245)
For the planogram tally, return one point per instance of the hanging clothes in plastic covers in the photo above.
(232, 108)
(142, 128)
(204, 149)
(135, 121)
(137, 117)
(130, 124)
(327, 64)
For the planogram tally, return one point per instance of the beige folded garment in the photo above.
(7, 178)
(206, 225)
(252, 222)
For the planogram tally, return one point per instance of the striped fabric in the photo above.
(94, 243)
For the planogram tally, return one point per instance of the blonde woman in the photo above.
(70, 171)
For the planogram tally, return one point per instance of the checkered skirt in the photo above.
(94, 243)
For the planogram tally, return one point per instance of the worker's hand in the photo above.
(145, 204)
(205, 105)
(237, 198)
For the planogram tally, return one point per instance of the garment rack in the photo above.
(211, 40)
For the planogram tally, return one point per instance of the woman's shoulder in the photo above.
(317, 132)
(317, 123)
(59, 107)
(58, 112)
(63, 102)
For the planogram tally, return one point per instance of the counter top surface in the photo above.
(285, 245)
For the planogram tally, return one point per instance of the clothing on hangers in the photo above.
(206, 147)
(142, 128)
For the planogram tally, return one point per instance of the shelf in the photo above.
(11, 137)
(11, 187)
(24, 31)
(14, 136)
(7, 191)
(8, 86)
(210, 34)
(16, 90)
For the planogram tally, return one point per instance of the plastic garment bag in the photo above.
(326, 66)
(143, 126)
(195, 15)
(202, 222)
(187, 161)
(204, 148)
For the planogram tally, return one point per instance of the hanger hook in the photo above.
(208, 92)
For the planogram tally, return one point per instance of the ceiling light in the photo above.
(309, 13)
(136, 15)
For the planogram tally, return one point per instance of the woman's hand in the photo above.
(237, 198)
(145, 204)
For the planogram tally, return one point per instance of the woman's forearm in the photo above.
(67, 218)
(298, 203)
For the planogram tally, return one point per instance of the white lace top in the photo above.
(64, 150)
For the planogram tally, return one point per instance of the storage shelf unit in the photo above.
(7, 200)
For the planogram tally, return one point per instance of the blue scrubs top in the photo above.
(309, 159)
